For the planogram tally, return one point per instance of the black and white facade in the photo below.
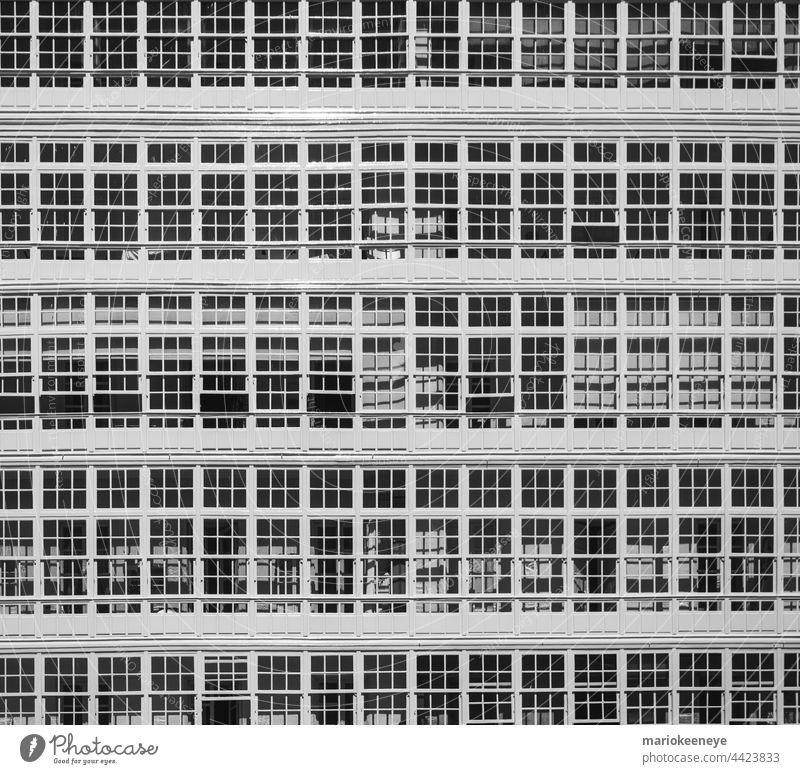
(399, 362)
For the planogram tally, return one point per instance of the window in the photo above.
(489, 215)
(224, 380)
(64, 489)
(595, 216)
(173, 690)
(277, 373)
(543, 697)
(699, 562)
(63, 380)
(15, 203)
(490, 488)
(15, 311)
(700, 217)
(329, 213)
(118, 488)
(647, 216)
(699, 488)
(117, 563)
(62, 213)
(545, 49)
(223, 310)
(116, 368)
(383, 311)
(332, 566)
(61, 42)
(648, 488)
(436, 559)
(542, 212)
(384, 568)
(224, 557)
(595, 311)
(168, 42)
(331, 380)
(701, 44)
(16, 383)
(65, 566)
(222, 42)
(752, 555)
(594, 560)
(753, 45)
(223, 214)
(752, 210)
(66, 678)
(277, 310)
(332, 680)
(170, 310)
(438, 697)
(596, 357)
(384, 488)
(437, 488)
(279, 677)
(330, 43)
(15, 45)
(701, 673)
(385, 689)
(277, 217)
(278, 563)
(596, 46)
(595, 488)
(171, 563)
(648, 43)
(648, 683)
(489, 381)
(114, 42)
(490, 44)
(542, 383)
(543, 562)
(224, 487)
(332, 488)
(436, 311)
(278, 488)
(490, 697)
(437, 42)
(17, 570)
(169, 213)
(647, 570)
(276, 42)
(119, 683)
(542, 488)
(647, 311)
(171, 487)
(489, 557)
(383, 41)
(169, 374)
(489, 312)
(542, 311)
(596, 699)
(116, 310)
(16, 681)
(383, 381)
(436, 215)
(700, 311)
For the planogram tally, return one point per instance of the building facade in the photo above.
(399, 362)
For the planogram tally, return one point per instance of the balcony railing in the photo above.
(315, 432)
(503, 90)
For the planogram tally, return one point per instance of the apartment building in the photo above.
(399, 362)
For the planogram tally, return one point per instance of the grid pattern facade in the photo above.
(399, 362)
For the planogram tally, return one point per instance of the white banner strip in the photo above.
(393, 750)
